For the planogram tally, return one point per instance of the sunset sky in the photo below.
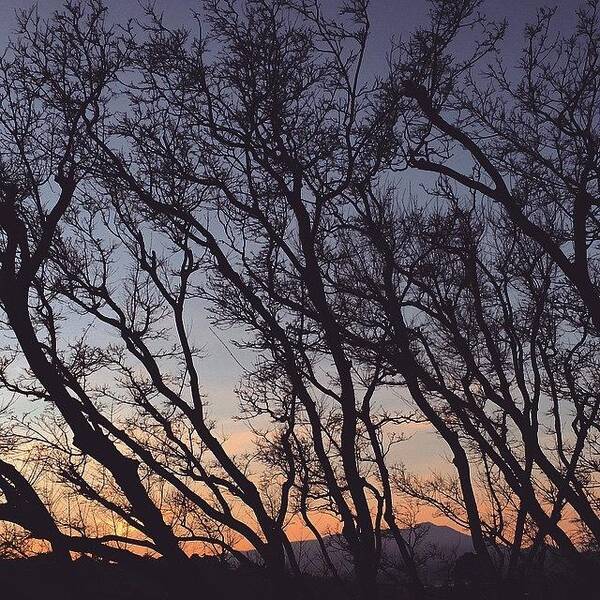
(397, 18)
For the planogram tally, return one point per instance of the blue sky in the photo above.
(389, 18)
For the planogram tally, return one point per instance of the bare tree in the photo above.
(531, 137)
(248, 157)
(250, 173)
(53, 78)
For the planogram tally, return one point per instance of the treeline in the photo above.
(250, 170)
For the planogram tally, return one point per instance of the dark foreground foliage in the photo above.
(43, 577)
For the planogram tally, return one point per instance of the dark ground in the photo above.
(41, 578)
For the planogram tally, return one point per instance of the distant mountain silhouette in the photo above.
(147, 578)
(436, 546)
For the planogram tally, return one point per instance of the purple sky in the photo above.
(389, 17)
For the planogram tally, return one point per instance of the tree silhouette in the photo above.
(247, 171)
